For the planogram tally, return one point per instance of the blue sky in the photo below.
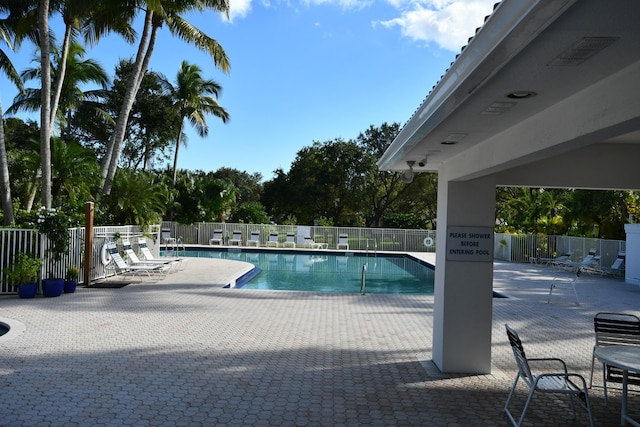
(305, 71)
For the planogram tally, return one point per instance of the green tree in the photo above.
(6, 66)
(159, 13)
(75, 174)
(193, 98)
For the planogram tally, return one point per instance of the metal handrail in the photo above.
(363, 286)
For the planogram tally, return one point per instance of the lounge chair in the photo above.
(148, 256)
(254, 239)
(133, 257)
(217, 238)
(557, 381)
(313, 244)
(236, 238)
(615, 329)
(590, 261)
(617, 268)
(121, 267)
(166, 238)
(290, 240)
(566, 284)
(273, 239)
(343, 241)
(564, 257)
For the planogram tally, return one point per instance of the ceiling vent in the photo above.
(582, 50)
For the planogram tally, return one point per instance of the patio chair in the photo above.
(133, 257)
(566, 256)
(617, 268)
(166, 238)
(557, 381)
(146, 253)
(565, 283)
(290, 240)
(273, 239)
(254, 239)
(343, 241)
(217, 238)
(313, 244)
(236, 238)
(615, 329)
(132, 270)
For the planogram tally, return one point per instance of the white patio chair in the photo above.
(290, 240)
(343, 241)
(273, 239)
(148, 256)
(615, 329)
(557, 381)
(254, 239)
(236, 238)
(133, 257)
(121, 267)
(565, 283)
(217, 238)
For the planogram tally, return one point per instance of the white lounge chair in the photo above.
(121, 267)
(313, 244)
(273, 239)
(617, 268)
(133, 257)
(236, 238)
(217, 238)
(343, 241)
(148, 256)
(290, 240)
(166, 238)
(557, 381)
(254, 239)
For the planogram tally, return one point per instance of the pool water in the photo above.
(327, 272)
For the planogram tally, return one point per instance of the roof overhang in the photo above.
(540, 79)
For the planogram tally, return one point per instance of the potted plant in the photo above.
(71, 279)
(54, 224)
(24, 275)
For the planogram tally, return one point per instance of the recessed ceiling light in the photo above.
(521, 94)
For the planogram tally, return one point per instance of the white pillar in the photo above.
(463, 294)
(632, 268)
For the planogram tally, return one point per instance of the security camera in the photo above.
(422, 162)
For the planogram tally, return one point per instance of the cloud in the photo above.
(343, 4)
(448, 23)
(239, 9)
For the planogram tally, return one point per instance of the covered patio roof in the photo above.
(547, 93)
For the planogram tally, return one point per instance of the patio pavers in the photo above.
(185, 351)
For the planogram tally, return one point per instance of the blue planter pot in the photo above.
(28, 290)
(70, 286)
(52, 287)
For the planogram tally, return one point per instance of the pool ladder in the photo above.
(363, 286)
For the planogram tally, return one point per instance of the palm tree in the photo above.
(193, 98)
(7, 67)
(159, 13)
(79, 72)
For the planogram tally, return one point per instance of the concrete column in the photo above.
(463, 284)
(632, 268)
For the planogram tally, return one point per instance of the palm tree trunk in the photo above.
(111, 158)
(175, 156)
(45, 98)
(5, 182)
(60, 78)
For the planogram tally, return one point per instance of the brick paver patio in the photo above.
(185, 352)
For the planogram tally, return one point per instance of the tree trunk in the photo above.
(175, 156)
(45, 99)
(60, 77)
(5, 182)
(112, 155)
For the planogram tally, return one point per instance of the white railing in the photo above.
(360, 239)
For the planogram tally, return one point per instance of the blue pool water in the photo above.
(327, 272)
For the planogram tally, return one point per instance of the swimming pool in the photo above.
(327, 272)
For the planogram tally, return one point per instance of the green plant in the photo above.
(72, 273)
(25, 270)
(54, 224)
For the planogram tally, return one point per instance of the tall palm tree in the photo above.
(159, 13)
(7, 68)
(193, 98)
(79, 72)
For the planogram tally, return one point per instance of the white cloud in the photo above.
(343, 4)
(448, 23)
(239, 9)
